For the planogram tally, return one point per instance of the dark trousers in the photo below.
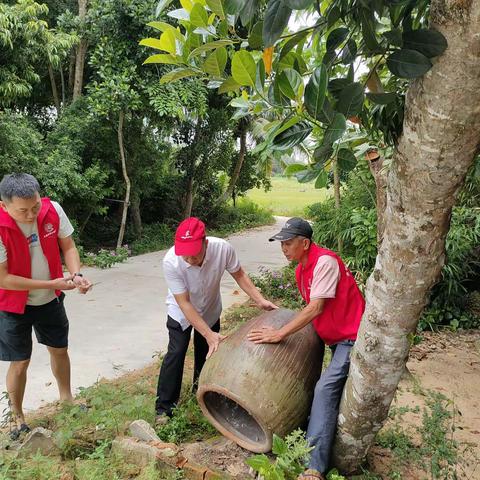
(171, 372)
(326, 402)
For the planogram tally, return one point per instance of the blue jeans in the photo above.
(326, 401)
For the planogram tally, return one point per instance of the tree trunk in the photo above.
(375, 163)
(62, 78)
(189, 198)
(81, 53)
(336, 193)
(439, 142)
(56, 99)
(238, 166)
(71, 72)
(121, 233)
(136, 216)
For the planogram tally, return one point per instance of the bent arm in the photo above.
(15, 282)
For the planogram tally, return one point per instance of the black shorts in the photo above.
(49, 321)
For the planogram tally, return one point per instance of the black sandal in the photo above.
(17, 432)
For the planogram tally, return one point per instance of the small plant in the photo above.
(291, 457)
(105, 258)
(280, 285)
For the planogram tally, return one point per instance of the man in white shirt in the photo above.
(193, 269)
(33, 232)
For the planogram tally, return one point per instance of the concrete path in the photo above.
(120, 324)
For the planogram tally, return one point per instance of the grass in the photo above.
(288, 197)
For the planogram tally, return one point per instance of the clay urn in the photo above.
(249, 391)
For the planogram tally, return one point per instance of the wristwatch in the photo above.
(76, 274)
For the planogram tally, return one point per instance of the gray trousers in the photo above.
(326, 401)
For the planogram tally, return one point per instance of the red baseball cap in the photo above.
(189, 237)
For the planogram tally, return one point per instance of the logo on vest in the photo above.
(49, 230)
(186, 236)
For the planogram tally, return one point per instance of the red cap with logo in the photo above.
(189, 237)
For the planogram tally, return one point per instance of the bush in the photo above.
(104, 258)
(280, 286)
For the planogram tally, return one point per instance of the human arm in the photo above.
(304, 317)
(9, 281)
(246, 284)
(198, 323)
(72, 261)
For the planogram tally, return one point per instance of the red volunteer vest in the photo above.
(18, 253)
(341, 315)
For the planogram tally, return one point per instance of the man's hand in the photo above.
(213, 339)
(83, 285)
(265, 335)
(265, 304)
(63, 283)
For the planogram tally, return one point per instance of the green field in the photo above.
(288, 197)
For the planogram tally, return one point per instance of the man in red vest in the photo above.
(33, 231)
(335, 307)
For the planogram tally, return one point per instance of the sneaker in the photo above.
(161, 420)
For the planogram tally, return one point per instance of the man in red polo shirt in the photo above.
(335, 307)
(33, 231)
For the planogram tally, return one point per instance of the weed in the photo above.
(104, 258)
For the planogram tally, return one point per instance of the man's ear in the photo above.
(3, 206)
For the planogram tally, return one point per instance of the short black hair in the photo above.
(21, 185)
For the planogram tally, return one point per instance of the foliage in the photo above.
(280, 286)
(105, 258)
(187, 422)
(430, 445)
(304, 81)
(291, 455)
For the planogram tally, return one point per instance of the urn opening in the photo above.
(239, 424)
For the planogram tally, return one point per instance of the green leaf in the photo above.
(292, 42)
(336, 85)
(243, 68)
(333, 15)
(346, 159)
(382, 98)
(315, 91)
(336, 37)
(350, 101)
(229, 85)
(216, 62)
(322, 180)
(406, 63)
(233, 7)
(153, 43)
(178, 74)
(162, 4)
(279, 447)
(165, 58)
(275, 21)
(298, 4)
(255, 39)
(199, 16)
(210, 46)
(394, 37)
(179, 14)
(349, 52)
(258, 462)
(289, 81)
(286, 124)
(368, 23)
(248, 11)
(217, 8)
(307, 175)
(322, 153)
(294, 168)
(260, 77)
(335, 130)
(292, 136)
(429, 42)
(326, 113)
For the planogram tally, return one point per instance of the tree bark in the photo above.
(439, 142)
(375, 163)
(121, 233)
(336, 193)
(62, 78)
(238, 166)
(81, 54)
(189, 198)
(53, 83)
